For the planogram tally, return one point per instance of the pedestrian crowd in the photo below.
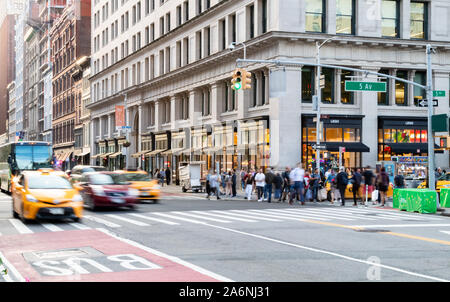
(297, 185)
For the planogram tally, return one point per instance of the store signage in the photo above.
(120, 116)
(320, 147)
(409, 123)
(365, 86)
(334, 121)
(412, 159)
(424, 103)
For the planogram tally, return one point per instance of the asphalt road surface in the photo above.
(186, 237)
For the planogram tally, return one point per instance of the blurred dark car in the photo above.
(77, 171)
(106, 189)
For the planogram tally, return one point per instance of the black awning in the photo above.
(410, 147)
(349, 147)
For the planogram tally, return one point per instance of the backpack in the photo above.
(343, 179)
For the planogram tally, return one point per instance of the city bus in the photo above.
(21, 156)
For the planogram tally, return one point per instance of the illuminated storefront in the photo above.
(338, 131)
(254, 147)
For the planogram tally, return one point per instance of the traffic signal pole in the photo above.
(318, 100)
(429, 90)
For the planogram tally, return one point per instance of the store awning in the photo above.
(80, 153)
(167, 152)
(108, 154)
(211, 150)
(349, 147)
(114, 155)
(153, 153)
(65, 155)
(179, 151)
(97, 155)
(139, 154)
(410, 147)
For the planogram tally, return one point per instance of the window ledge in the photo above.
(229, 113)
(259, 107)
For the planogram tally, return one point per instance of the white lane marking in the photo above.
(20, 227)
(201, 217)
(51, 227)
(179, 218)
(103, 221)
(171, 258)
(331, 254)
(445, 232)
(132, 221)
(380, 215)
(401, 215)
(155, 219)
(271, 215)
(400, 225)
(175, 197)
(313, 214)
(225, 216)
(305, 216)
(79, 226)
(248, 216)
(11, 269)
(333, 213)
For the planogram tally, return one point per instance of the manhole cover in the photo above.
(372, 231)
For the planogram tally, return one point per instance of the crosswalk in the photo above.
(348, 216)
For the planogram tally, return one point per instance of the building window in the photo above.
(401, 91)
(344, 17)
(251, 17)
(315, 16)
(390, 18)
(383, 97)
(346, 96)
(418, 20)
(254, 90)
(420, 77)
(307, 84)
(328, 91)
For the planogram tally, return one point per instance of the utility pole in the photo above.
(429, 90)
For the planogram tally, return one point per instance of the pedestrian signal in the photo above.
(236, 81)
(246, 79)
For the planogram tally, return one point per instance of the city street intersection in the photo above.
(186, 237)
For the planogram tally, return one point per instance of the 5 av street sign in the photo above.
(365, 86)
(438, 93)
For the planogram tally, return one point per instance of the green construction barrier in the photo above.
(415, 200)
(444, 198)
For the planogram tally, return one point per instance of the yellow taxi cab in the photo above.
(149, 189)
(442, 182)
(45, 194)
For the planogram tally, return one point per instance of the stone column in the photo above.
(195, 108)
(173, 111)
(392, 72)
(216, 100)
(92, 140)
(140, 127)
(410, 88)
(405, 16)
(158, 111)
(285, 118)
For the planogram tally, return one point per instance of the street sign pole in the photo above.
(429, 90)
(319, 100)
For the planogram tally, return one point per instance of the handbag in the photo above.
(375, 195)
(309, 194)
(322, 195)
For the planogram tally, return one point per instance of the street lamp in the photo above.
(232, 46)
(319, 99)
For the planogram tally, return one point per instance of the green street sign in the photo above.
(365, 86)
(439, 93)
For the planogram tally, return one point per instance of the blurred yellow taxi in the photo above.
(442, 182)
(362, 192)
(149, 189)
(45, 194)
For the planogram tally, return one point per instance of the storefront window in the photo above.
(401, 92)
(307, 84)
(312, 136)
(328, 91)
(352, 135)
(333, 134)
(346, 96)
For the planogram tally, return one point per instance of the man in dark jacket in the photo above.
(233, 182)
(268, 187)
(168, 176)
(286, 183)
(341, 183)
(356, 183)
(278, 183)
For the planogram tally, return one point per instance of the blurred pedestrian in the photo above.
(233, 182)
(268, 189)
(243, 174)
(296, 177)
(382, 182)
(208, 184)
(314, 184)
(260, 181)
(342, 182)
(168, 176)
(286, 184)
(162, 175)
(249, 185)
(228, 183)
(215, 183)
(278, 184)
(368, 177)
(399, 181)
(356, 183)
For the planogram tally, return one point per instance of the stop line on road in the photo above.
(351, 216)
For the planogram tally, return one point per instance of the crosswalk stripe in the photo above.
(154, 219)
(249, 216)
(314, 214)
(179, 218)
(304, 216)
(132, 221)
(226, 216)
(379, 215)
(20, 227)
(391, 216)
(333, 213)
(103, 221)
(266, 214)
(202, 217)
(51, 227)
(79, 226)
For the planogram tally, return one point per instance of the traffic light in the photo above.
(246, 79)
(236, 81)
